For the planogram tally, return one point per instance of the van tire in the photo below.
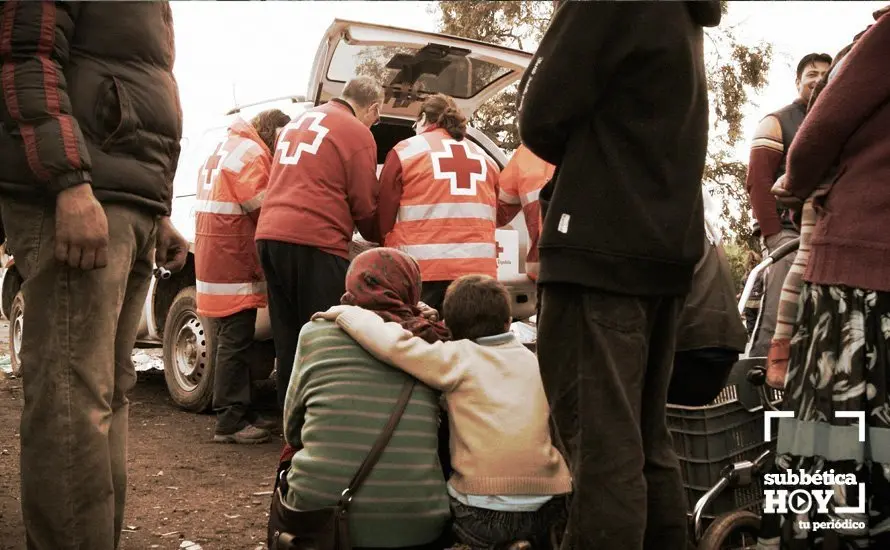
(188, 354)
(16, 324)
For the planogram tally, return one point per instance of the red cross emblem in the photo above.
(301, 136)
(213, 166)
(461, 166)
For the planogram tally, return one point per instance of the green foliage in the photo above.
(517, 24)
(739, 256)
(735, 70)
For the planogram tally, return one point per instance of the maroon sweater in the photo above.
(323, 182)
(849, 127)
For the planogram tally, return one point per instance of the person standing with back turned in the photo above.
(323, 184)
(622, 234)
(89, 142)
(438, 200)
(230, 287)
(521, 182)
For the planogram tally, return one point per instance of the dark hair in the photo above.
(812, 58)
(266, 123)
(364, 91)
(442, 111)
(476, 306)
(817, 89)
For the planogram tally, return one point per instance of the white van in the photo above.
(412, 65)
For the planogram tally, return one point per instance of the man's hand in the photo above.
(81, 229)
(172, 249)
(783, 196)
(427, 312)
(331, 314)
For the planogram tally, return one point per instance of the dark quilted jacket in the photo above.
(89, 96)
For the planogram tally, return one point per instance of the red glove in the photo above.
(777, 363)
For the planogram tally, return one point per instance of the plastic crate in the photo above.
(707, 439)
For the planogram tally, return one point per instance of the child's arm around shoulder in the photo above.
(437, 365)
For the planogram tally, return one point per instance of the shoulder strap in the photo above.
(364, 470)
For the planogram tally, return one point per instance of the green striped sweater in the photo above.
(338, 401)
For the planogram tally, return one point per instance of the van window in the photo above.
(432, 69)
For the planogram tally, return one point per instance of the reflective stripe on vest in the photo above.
(230, 190)
(450, 251)
(508, 198)
(229, 208)
(447, 210)
(254, 203)
(231, 289)
(218, 207)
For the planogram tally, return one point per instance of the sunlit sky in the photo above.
(250, 51)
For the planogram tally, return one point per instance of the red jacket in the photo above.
(521, 183)
(231, 184)
(323, 182)
(440, 205)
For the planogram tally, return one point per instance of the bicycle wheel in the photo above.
(733, 531)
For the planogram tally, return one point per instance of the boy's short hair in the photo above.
(476, 306)
(806, 60)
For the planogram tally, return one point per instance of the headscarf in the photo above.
(387, 281)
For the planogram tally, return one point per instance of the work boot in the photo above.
(245, 436)
(266, 423)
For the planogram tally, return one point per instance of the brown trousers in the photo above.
(606, 363)
(78, 336)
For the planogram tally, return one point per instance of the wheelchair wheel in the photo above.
(733, 531)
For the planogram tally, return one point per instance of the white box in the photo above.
(508, 252)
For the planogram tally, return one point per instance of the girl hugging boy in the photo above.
(509, 482)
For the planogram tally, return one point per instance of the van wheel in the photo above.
(188, 354)
(16, 324)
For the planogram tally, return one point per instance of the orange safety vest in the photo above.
(231, 185)
(521, 182)
(447, 213)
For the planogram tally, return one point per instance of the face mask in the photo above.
(374, 116)
(420, 125)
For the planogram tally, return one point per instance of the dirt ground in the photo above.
(182, 487)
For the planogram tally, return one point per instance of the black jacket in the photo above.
(710, 317)
(89, 96)
(616, 96)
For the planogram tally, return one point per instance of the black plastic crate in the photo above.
(707, 439)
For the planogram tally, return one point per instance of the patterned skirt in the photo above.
(838, 375)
